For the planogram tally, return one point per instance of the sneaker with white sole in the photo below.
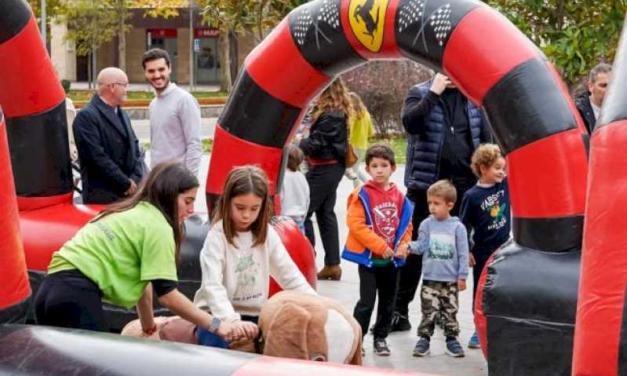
(473, 343)
(381, 347)
(422, 347)
(454, 348)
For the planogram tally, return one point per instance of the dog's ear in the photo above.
(286, 335)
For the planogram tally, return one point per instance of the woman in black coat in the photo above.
(325, 149)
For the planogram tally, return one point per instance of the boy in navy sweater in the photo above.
(485, 211)
(443, 242)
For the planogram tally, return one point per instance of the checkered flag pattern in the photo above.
(328, 13)
(410, 14)
(440, 22)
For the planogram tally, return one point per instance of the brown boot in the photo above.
(332, 272)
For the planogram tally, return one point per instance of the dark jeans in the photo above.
(410, 273)
(69, 299)
(383, 280)
(323, 181)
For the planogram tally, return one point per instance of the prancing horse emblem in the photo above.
(367, 20)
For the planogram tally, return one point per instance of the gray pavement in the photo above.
(401, 344)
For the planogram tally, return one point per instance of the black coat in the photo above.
(585, 109)
(108, 151)
(328, 137)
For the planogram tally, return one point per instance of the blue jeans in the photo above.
(207, 338)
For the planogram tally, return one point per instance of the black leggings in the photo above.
(69, 299)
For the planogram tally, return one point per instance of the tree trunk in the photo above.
(225, 61)
(122, 35)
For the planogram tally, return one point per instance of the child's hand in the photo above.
(471, 260)
(461, 284)
(402, 251)
(250, 329)
(388, 253)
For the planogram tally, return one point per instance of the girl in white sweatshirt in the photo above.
(241, 252)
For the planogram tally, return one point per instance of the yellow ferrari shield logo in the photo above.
(367, 19)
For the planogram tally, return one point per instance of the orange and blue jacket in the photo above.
(363, 245)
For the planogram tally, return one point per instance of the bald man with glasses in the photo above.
(108, 150)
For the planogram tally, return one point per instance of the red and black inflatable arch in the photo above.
(601, 333)
(527, 313)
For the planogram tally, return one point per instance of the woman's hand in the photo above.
(471, 260)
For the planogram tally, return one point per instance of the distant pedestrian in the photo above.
(174, 116)
(485, 211)
(325, 148)
(443, 242)
(295, 189)
(360, 131)
(589, 102)
(111, 161)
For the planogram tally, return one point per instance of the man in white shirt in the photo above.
(174, 116)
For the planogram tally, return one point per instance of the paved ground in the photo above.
(401, 344)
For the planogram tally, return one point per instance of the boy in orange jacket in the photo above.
(379, 230)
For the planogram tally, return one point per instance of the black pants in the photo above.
(323, 181)
(383, 280)
(69, 299)
(410, 273)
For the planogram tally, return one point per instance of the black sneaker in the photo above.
(381, 347)
(454, 348)
(422, 347)
(400, 323)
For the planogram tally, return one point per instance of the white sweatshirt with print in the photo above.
(235, 279)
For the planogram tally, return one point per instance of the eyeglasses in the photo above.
(124, 84)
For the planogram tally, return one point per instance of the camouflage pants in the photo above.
(439, 298)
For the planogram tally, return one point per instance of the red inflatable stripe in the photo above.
(289, 367)
(29, 83)
(298, 82)
(550, 178)
(604, 272)
(240, 152)
(46, 230)
(482, 49)
(14, 286)
(34, 203)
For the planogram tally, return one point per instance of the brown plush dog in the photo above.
(302, 326)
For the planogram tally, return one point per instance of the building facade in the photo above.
(171, 34)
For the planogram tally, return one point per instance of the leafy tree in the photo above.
(257, 16)
(574, 34)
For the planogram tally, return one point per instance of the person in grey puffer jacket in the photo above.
(443, 130)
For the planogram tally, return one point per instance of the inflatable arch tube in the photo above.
(33, 102)
(38, 350)
(601, 333)
(529, 108)
(14, 286)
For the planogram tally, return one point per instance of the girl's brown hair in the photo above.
(334, 98)
(295, 157)
(242, 181)
(485, 155)
(161, 189)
